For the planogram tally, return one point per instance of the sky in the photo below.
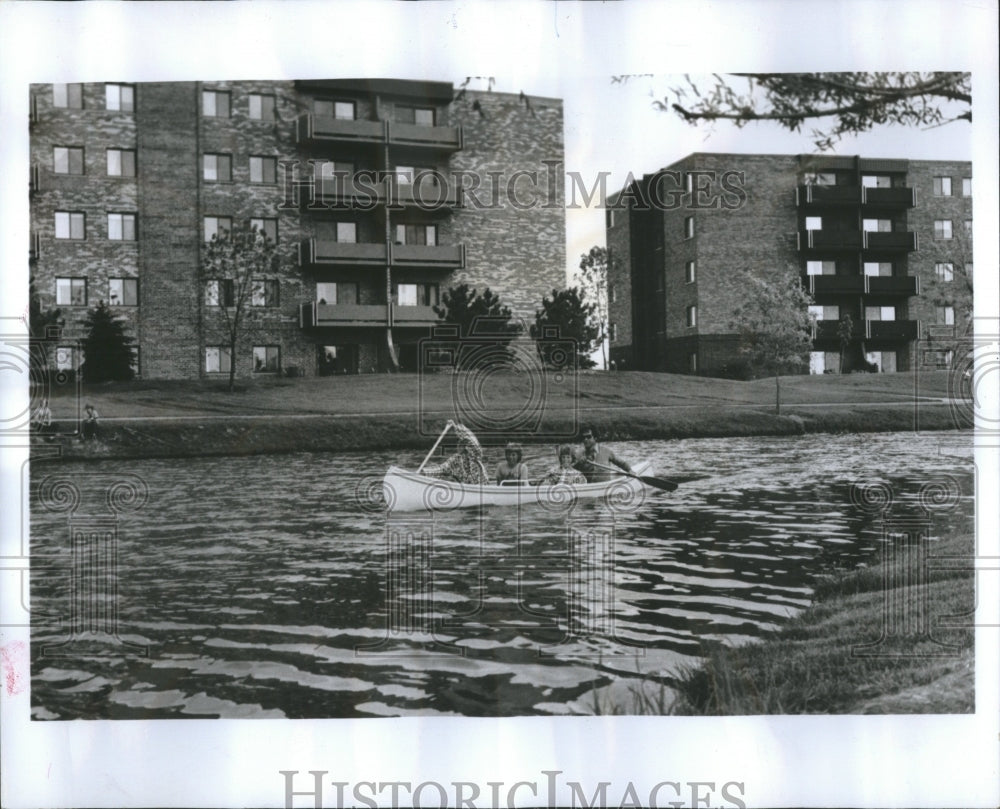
(570, 51)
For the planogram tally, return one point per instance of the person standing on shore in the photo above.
(90, 423)
(595, 456)
(466, 465)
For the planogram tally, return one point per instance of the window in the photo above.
(65, 358)
(261, 107)
(814, 223)
(692, 316)
(332, 293)
(344, 110)
(942, 228)
(612, 332)
(217, 227)
(121, 162)
(693, 363)
(821, 267)
(417, 294)
(967, 227)
(416, 234)
(421, 116)
(939, 359)
(71, 292)
(944, 315)
(966, 186)
(263, 169)
(411, 175)
(688, 227)
(220, 292)
(612, 293)
(334, 176)
(218, 359)
(119, 97)
(689, 272)
(880, 313)
(123, 292)
(945, 271)
(816, 311)
(876, 225)
(609, 218)
(67, 95)
(70, 225)
(404, 175)
(878, 268)
(217, 168)
(876, 181)
(121, 227)
(347, 232)
(942, 186)
(67, 160)
(269, 227)
(264, 292)
(214, 104)
(266, 359)
(818, 178)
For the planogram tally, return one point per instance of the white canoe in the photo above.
(408, 491)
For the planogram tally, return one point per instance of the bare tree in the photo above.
(594, 267)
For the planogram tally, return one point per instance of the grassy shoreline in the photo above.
(191, 419)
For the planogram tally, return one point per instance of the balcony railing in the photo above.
(836, 284)
(313, 315)
(319, 128)
(323, 253)
(414, 316)
(892, 329)
(892, 285)
(829, 240)
(902, 241)
(889, 197)
(428, 193)
(827, 195)
(370, 188)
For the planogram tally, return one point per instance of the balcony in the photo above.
(369, 188)
(892, 329)
(333, 254)
(318, 129)
(317, 315)
(445, 257)
(835, 284)
(903, 285)
(438, 137)
(889, 197)
(825, 331)
(903, 241)
(827, 195)
(418, 316)
(829, 239)
(430, 192)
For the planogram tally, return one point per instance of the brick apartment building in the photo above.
(380, 195)
(882, 240)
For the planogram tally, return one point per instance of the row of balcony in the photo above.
(319, 315)
(318, 129)
(898, 242)
(429, 192)
(903, 285)
(322, 253)
(826, 330)
(850, 195)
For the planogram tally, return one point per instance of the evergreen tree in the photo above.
(567, 316)
(44, 325)
(108, 352)
(476, 315)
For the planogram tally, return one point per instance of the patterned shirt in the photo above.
(466, 465)
(560, 474)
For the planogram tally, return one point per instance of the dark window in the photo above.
(123, 292)
(71, 292)
(269, 227)
(220, 292)
(264, 292)
(266, 359)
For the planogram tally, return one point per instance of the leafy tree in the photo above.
(572, 318)
(108, 351)
(43, 325)
(845, 333)
(773, 323)
(855, 102)
(234, 265)
(594, 268)
(476, 315)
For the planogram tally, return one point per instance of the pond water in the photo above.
(274, 586)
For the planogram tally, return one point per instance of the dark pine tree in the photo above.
(108, 351)
(567, 317)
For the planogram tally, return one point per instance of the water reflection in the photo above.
(262, 587)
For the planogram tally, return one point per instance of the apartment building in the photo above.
(888, 242)
(380, 195)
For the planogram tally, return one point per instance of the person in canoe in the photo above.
(466, 465)
(595, 456)
(565, 472)
(511, 469)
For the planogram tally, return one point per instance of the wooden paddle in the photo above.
(649, 480)
(443, 433)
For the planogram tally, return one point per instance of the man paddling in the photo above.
(595, 456)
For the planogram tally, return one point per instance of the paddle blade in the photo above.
(658, 483)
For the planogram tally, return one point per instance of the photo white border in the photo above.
(835, 761)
